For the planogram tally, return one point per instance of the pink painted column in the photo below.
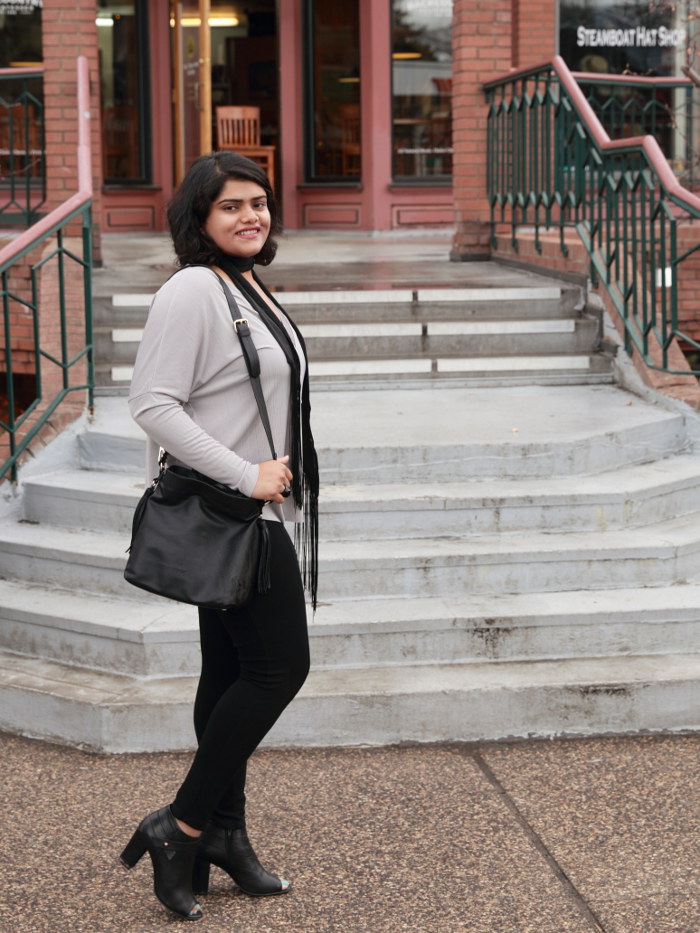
(291, 116)
(375, 101)
(161, 120)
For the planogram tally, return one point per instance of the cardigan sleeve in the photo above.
(171, 365)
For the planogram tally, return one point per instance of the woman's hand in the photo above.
(273, 477)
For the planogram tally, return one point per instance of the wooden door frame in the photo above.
(204, 84)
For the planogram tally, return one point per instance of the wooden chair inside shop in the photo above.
(350, 148)
(119, 144)
(238, 129)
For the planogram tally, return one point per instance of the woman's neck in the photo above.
(244, 264)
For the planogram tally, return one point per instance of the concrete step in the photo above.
(468, 338)
(661, 554)
(539, 363)
(410, 376)
(129, 309)
(555, 300)
(567, 368)
(95, 500)
(506, 627)
(395, 436)
(448, 435)
(625, 498)
(407, 340)
(154, 638)
(376, 706)
(160, 639)
(472, 702)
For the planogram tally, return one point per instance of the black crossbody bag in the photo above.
(194, 539)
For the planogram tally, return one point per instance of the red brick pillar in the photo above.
(481, 50)
(534, 32)
(69, 30)
(688, 234)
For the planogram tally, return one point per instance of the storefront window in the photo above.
(21, 98)
(244, 62)
(639, 38)
(20, 33)
(122, 37)
(333, 151)
(422, 89)
(635, 36)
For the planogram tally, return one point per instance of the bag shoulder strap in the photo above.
(252, 360)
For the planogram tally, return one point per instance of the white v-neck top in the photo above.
(191, 392)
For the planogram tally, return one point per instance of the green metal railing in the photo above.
(551, 164)
(59, 359)
(22, 146)
(660, 107)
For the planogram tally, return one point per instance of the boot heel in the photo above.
(134, 850)
(200, 875)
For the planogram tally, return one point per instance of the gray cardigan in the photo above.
(191, 392)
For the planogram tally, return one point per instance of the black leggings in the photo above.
(254, 661)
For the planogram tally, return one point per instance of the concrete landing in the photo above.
(318, 262)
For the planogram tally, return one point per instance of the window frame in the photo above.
(144, 123)
(311, 177)
(412, 181)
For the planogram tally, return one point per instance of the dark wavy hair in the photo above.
(190, 205)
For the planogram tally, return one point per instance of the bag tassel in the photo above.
(264, 568)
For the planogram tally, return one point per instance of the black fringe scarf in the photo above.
(303, 459)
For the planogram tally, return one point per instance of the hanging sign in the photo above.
(622, 37)
(15, 7)
(639, 37)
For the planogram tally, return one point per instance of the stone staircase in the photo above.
(507, 550)
(480, 336)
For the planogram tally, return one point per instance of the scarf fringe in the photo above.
(303, 458)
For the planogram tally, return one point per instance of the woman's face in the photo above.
(239, 219)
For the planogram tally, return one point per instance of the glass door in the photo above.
(191, 82)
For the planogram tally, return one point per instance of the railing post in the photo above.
(56, 352)
(87, 289)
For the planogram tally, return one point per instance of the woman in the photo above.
(191, 394)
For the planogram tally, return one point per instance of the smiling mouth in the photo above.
(251, 232)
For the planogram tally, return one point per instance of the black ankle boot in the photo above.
(173, 854)
(230, 850)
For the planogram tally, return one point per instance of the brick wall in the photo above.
(688, 281)
(69, 30)
(489, 38)
(481, 49)
(535, 37)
